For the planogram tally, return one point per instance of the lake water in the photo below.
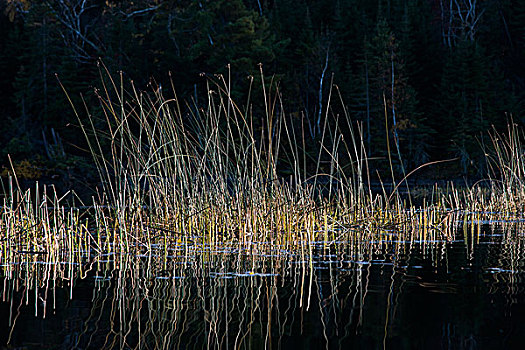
(396, 292)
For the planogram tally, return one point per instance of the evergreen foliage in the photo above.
(437, 76)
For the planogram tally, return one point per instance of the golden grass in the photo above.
(210, 175)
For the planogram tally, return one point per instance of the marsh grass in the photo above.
(196, 236)
(174, 172)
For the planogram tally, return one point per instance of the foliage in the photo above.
(447, 74)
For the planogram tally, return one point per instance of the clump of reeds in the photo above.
(36, 225)
(501, 195)
(173, 172)
(208, 173)
(507, 166)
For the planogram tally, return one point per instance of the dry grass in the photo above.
(173, 173)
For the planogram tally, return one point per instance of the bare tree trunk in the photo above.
(44, 63)
(320, 112)
(368, 131)
(463, 17)
(443, 37)
(392, 87)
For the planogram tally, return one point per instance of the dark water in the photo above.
(397, 292)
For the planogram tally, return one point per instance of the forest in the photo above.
(431, 77)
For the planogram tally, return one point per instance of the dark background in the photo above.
(448, 71)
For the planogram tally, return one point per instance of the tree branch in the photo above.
(140, 12)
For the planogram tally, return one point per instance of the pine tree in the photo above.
(393, 102)
(229, 33)
(464, 100)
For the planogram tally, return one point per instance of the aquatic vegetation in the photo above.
(214, 175)
(196, 220)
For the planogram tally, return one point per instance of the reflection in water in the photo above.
(390, 290)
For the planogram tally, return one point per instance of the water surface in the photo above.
(396, 292)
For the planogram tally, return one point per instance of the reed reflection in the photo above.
(387, 290)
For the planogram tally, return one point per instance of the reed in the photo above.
(195, 237)
(178, 173)
(209, 174)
